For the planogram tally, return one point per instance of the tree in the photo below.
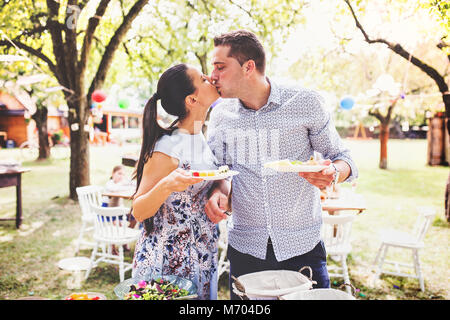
(396, 47)
(342, 65)
(51, 31)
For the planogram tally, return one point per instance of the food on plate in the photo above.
(158, 289)
(82, 296)
(286, 162)
(310, 162)
(210, 173)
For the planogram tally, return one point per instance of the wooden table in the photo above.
(348, 201)
(10, 178)
(125, 194)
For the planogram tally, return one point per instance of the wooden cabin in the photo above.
(13, 125)
(16, 123)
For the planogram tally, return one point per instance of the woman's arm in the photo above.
(159, 179)
(153, 189)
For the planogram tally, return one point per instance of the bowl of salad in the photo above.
(162, 287)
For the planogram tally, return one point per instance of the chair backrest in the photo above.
(87, 196)
(423, 221)
(336, 229)
(110, 222)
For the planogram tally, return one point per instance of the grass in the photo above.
(29, 256)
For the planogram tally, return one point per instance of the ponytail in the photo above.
(173, 87)
(151, 132)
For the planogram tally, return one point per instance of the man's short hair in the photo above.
(244, 46)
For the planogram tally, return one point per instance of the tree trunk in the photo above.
(446, 99)
(384, 138)
(40, 117)
(79, 148)
(447, 200)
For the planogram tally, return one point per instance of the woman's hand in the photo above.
(179, 180)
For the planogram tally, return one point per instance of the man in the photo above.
(276, 217)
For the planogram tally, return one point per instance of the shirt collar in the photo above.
(274, 98)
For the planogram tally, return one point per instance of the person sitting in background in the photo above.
(117, 182)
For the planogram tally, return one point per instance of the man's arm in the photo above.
(325, 139)
(218, 201)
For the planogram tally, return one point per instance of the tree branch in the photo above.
(113, 44)
(35, 52)
(89, 36)
(376, 114)
(55, 29)
(70, 29)
(398, 49)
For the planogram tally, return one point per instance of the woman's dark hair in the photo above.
(244, 46)
(174, 86)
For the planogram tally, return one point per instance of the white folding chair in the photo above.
(405, 240)
(223, 264)
(111, 228)
(336, 231)
(87, 196)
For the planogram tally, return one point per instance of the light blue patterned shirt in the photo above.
(265, 203)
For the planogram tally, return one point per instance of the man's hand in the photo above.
(321, 179)
(215, 207)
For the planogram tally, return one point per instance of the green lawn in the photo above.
(29, 256)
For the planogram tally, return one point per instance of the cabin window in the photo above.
(133, 122)
(117, 122)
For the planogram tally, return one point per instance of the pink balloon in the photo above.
(98, 96)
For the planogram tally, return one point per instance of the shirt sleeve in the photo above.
(169, 145)
(325, 139)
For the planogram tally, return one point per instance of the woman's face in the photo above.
(206, 92)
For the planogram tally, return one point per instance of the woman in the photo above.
(178, 238)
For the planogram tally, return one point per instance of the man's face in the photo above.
(228, 74)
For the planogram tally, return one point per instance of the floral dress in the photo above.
(183, 241)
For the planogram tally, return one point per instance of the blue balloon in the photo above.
(347, 103)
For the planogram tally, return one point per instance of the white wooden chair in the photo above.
(87, 196)
(223, 264)
(405, 240)
(336, 231)
(111, 228)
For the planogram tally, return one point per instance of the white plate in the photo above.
(289, 167)
(219, 176)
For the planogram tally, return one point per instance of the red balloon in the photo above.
(98, 96)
